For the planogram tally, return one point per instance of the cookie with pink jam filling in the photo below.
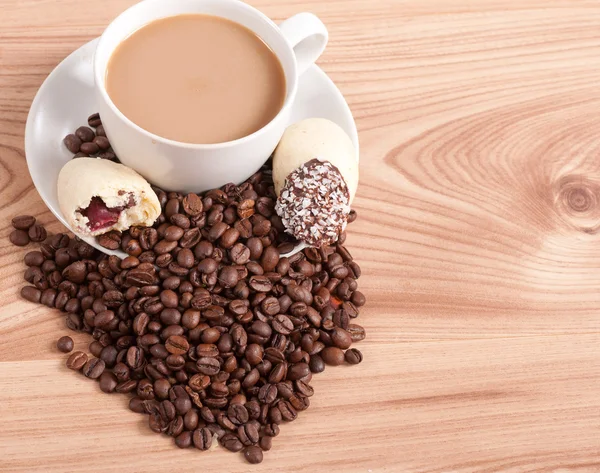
(97, 196)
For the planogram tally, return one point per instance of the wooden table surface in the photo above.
(479, 210)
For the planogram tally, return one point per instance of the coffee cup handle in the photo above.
(307, 36)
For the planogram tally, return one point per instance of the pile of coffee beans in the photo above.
(86, 142)
(214, 334)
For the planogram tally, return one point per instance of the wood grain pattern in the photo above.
(478, 235)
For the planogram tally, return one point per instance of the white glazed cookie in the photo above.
(315, 138)
(96, 196)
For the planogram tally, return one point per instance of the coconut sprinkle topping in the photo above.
(314, 203)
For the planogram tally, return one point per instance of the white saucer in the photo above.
(67, 98)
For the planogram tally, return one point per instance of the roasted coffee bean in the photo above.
(270, 306)
(256, 248)
(341, 319)
(180, 220)
(203, 250)
(213, 313)
(134, 357)
(65, 344)
(270, 258)
(303, 388)
(96, 348)
(185, 258)
(184, 440)
(171, 208)
(211, 335)
(288, 413)
(358, 299)
(30, 293)
(108, 382)
(145, 389)
(202, 438)
(251, 379)
(34, 258)
(148, 238)
(228, 277)
(216, 231)
(105, 319)
(126, 387)
(85, 134)
(169, 298)
(137, 405)
(209, 350)
(182, 405)
(208, 366)
(207, 266)
(140, 323)
(166, 410)
(94, 120)
(161, 388)
(254, 354)
(239, 253)
(157, 423)
(275, 355)
(271, 430)
(282, 324)
(316, 364)
(298, 371)
(23, 222)
(353, 356)
(48, 297)
(237, 414)
(72, 142)
(75, 272)
(341, 338)
(113, 298)
(275, 415)
(93, 368)
(350, 309)
(260, 284)
(101, 142)
(109, 355)
(19, 238)
(229, 238)
(332, 356)
(190, 238)
(133, 248)
(173, 233)
(164, 246)
(89, 148)
(299, 403)
(77, 360)
(244, 227)
(267, 393)
(357, 333)
(175, 427)
(218, 389)
(110, 240)
(192, 205)
(191, 419)
(265, 443)
(73, 322)
(285, 390)
(231, 442)
(248, 434)
(255, 268)
(201, 299)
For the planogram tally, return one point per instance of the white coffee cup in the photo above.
(172, 165)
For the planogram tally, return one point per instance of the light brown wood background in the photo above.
(478, 234)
